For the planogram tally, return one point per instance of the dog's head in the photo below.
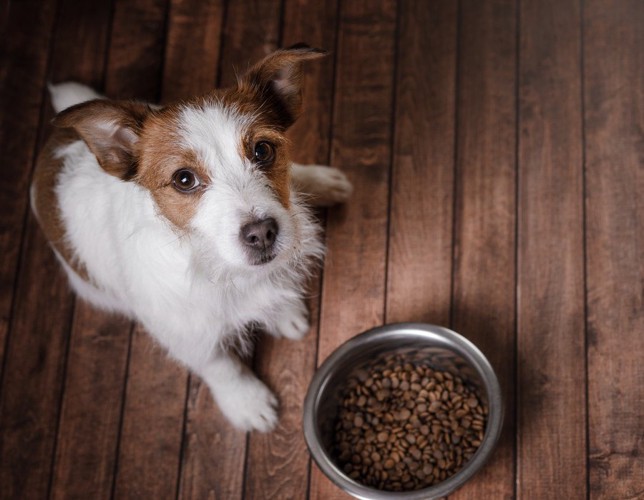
(216, 166)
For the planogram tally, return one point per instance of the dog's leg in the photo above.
(323, 186)
(245, 401)
(291, 322)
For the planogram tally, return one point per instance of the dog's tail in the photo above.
(67, 94)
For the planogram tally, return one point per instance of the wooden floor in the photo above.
(496, 149)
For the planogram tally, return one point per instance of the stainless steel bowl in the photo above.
(439, 347)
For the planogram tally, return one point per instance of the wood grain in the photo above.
(214, 451)
(137, 45)
(251, 31)
(421, 220)
(24, 52)
(613, 83)
(103, 412)
(192, 48)
(357, 232)
(278, 463)
(484, 257)
(91, 406)
(39, 317)
(551, 386)
(151, 433)
(88, 427)
(353, 295)
(34, 371)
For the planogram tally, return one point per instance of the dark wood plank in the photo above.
(613, 83)
(34, 365)
(357, 232)
(91, 406)
(251, 31)
(137, 44)
(4, 16)
(153, 418)
(34, 371)
(278, 462)
(484, 257)
(214, 451)
(151, 434)
(307, 21)
(420, 236)
(24, 52)
(192, 48)
(88, 428)
(551, 373)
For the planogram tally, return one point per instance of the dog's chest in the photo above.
(244, 301)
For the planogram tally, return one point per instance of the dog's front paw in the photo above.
(325, 186)
(293, 323)
(249, 405)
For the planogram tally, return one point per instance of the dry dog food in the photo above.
(404, 426)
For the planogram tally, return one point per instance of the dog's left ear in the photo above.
(277, 81)
(111, 130)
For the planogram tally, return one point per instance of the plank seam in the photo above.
(582, 89)
(23, 237)
(182, 443)
(119, 432)
(108, 52)
(329, 158)
(166, 28)
(222, 42)
(70, 326)
(392, 150)
(517, 170)
(25, 218)
(455, 159)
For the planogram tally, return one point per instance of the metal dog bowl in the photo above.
(436, 346)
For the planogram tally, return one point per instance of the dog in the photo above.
(191, 218)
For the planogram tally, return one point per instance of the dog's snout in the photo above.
(260, 235)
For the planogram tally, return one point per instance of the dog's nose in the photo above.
(261, 234)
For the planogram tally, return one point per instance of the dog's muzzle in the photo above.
(258, 238)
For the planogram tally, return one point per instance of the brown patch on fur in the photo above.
(45, 201)
(276, 81)
(160, 155)
(278, 171)
(110, 129)
(271, 93)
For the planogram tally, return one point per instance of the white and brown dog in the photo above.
(190, 218)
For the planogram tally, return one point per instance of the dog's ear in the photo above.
(110, 129)
(277, 81)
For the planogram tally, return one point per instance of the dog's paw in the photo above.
(293, 323)
(249, 405)
(325, 186)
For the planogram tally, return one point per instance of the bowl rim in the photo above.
(451, 339)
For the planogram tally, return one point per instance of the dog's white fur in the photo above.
(194, 292)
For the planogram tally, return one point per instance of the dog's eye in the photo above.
(264, 153)
(185, 180)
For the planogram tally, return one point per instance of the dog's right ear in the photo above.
(277, 82)
(110, 129)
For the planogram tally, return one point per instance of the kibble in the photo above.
(404, 426)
